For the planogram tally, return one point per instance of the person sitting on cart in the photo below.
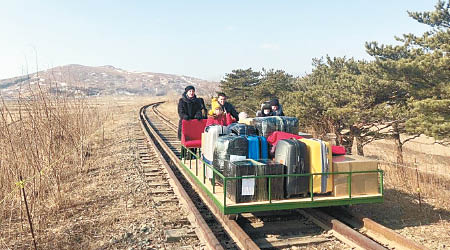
(227, 107)
(277, 109)
(266, 110)
(216, 116)
(190, 107)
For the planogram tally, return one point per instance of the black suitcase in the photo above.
(276, 183)
(229, 148)
(244, 190)
(269, 124)
(292, 153)
(242, 129)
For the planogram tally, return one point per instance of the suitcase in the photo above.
(209, 138)
(257, 147)
(293, 154)
(242, 129)
(267, 125)
(222, 130)
(242, 190)
(254, 189)
(229, 148)
(319, 153)
(277, 183)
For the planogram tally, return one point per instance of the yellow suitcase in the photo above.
(319, 154)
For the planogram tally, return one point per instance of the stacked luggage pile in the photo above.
(252, 165)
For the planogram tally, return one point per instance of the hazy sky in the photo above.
(204, 39)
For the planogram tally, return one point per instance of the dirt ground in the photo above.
(427, 221)
(106, 205)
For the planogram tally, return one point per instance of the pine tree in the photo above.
(337, 98)
(239, 87)
(419, 68)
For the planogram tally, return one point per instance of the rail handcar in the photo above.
(254, 189)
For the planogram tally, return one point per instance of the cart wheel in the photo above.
(232, 216)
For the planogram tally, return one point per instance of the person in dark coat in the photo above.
(266, 110)
(277, 109)
(190, 107)
(227, 107)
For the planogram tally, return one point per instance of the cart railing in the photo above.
(202, 165)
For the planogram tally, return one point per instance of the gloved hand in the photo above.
(198, 116)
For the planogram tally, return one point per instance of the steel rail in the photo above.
(341, 231)
(230, 225)
(374, 229)
(205, 233)
(164, 118)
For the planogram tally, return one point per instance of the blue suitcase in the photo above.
(257, 147)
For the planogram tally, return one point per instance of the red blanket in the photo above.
(278, 135)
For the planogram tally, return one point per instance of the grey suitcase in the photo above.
(292, 153)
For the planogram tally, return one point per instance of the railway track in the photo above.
(315, 228)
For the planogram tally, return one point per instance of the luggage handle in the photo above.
(260, 147)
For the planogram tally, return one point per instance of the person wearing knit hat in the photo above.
(189, 88)
(190, 107)
(216, 116)
(275, 105)
(266, 110)
(216, 109)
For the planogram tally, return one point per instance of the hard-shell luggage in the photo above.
(257, 147)
(268, 125)
(221, 130)
(229, 148)
(244, 190)
(293, 154)
(276, 183)
(254, 189)
(209, 138)
(277, 136)
(319, 153)
(242, 129)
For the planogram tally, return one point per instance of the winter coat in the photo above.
(191, 108)
(264, 106)
(229, 108)
(260, 113)
(223, 119)
(278, 112)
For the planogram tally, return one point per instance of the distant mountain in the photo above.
(76, 79)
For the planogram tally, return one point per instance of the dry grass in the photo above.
(43, 138)
(91, 201)
(417, 194)
(169, 108)
(82, 192)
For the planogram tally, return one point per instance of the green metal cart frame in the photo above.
(270, 205)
